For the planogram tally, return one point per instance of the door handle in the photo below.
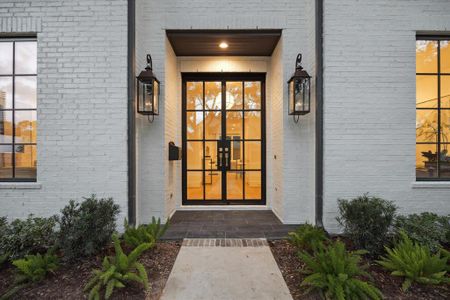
(227, 164)
(219, 157)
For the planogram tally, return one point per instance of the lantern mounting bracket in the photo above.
(149, 62)
(150, 120)
(298, 62)
(296, 118)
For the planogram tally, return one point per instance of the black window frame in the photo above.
(439, 109)
(13, 109)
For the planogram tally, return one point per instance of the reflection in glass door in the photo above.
(223, 139)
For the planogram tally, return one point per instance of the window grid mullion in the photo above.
(13, 112)
(439, 109)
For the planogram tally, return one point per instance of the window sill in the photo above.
(431, 185)
(19, 185)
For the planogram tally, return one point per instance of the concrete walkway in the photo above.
(229, 269)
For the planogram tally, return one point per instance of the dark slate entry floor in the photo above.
(226, 224)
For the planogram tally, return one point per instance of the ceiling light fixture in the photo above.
(223, 45)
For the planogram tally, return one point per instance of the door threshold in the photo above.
(224, 207)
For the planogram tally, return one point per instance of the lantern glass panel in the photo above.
(156, 97)
(291, 97)
(298, 95)
(148, 97)
(140, 95)
(307, 94)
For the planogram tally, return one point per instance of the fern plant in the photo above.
(32, 268)
(117, 271)
(415, 263)
(336, 273)
(307, 237)
(150, 233)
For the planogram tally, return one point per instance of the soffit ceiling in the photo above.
(240, 42)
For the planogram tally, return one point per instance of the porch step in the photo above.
(226, 225)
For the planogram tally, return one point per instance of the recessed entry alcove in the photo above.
(222, 103)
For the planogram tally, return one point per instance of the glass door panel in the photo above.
(223, 142)
(195, 185)
(213, 125)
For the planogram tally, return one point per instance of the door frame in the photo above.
(223, 76)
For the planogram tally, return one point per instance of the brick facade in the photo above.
(82, 106)
(369, 96)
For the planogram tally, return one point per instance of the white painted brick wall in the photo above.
(370, 101)
(294, 17)
(82, 102)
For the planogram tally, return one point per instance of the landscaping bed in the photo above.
(69, 280)
(290, 265)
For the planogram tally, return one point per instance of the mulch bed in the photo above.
(69, 280)
(390, 286)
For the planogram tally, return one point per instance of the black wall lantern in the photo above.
(299, 91)
(148, 91)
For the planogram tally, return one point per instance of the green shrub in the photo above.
(415, 263)
(307, 237)
(336, 273)
(366, 221)
(30, 236)
(427, 229)
(87, 227)
(117, 271)
(149, 233)
(3, 258)
(32, 268)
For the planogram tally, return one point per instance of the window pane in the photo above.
(26, 161)
(426, 56)
(6, 127)
(253, 155)
(445, 126)
(211, 162)
(426, 161)
(426, 91)
(444, 163)
(26, 59)
(445, 56)
(194, 95)
(213, 126)
(234, 125)
(25, 122)
(5, 92)
(252, 96)
(194, 185)
(234, 95)
(213, 185)
(6, 169)
(25, 92)
(213, 95)
(445, 91)
(235, 190)
(6, 57)
(194, 125)
(236, 155)
(252, 121)
(252, 185)
(194, 152)
(426, 125)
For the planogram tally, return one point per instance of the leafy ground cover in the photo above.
(69, 279)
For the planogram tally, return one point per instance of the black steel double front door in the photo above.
(223, 138)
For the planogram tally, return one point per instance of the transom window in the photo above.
(18, 109)
(433, 108)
